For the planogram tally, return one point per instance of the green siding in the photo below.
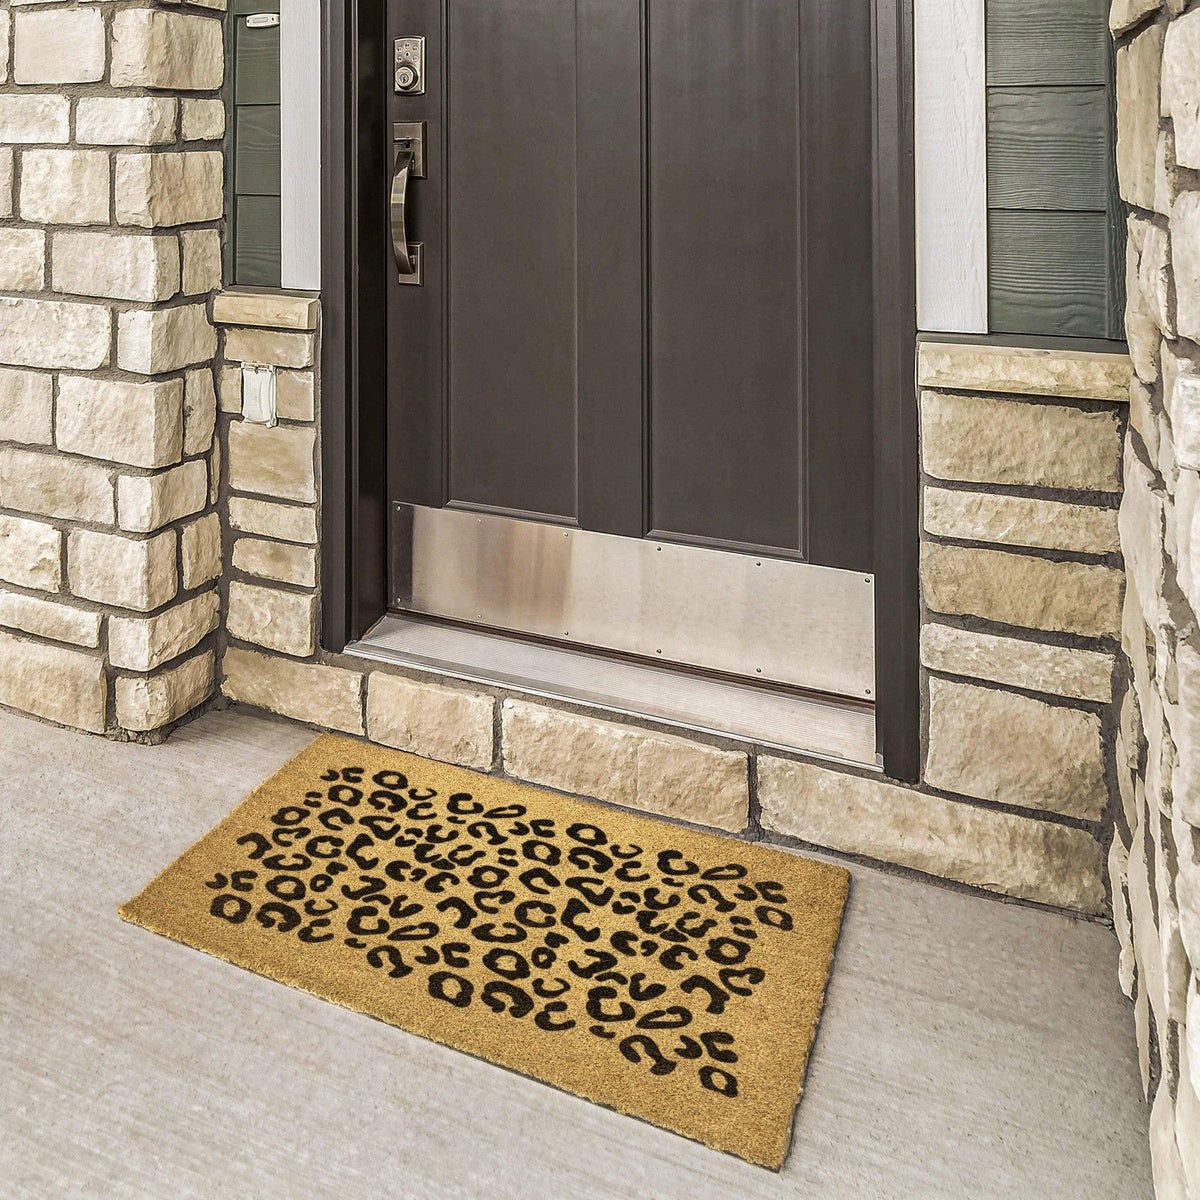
(255, 158)
(1055, 240)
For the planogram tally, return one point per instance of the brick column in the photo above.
(111, 194)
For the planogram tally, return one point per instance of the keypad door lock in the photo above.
(410, 66)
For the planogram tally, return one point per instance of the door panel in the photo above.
(725, 273)
(512, 223)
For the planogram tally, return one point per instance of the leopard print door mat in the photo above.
(666, 973)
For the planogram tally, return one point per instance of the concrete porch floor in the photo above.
(970, 1048)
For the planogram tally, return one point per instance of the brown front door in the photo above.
(646, 255)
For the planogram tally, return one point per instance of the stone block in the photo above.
(329, 697)
(29, 117)
(126, 120)
(1180, 102)
(276, 462)
(286, 522)
(146, 643)
(1073, 374)
(279, 561)
(169, 187)
(119, 266)
(54, 334)
(53, 486)
(49, 619)
(1143, 528)
(79, 694)
(30, 554)
(1031, 666)
(137, 423)
(202, 265)
(1138, 76)
(58, 46)
(625, 765)
(152, 48)
(148, 704)
(1185, 242)
(268, 347)
(273, 619)
(22, 260)
(203, 120)
(296, 395)
(200, 551)
(1019, 589)
(266, 309)
(1000, 852)
(1015, 750)
(1020, 521)
(985, 439)
(165, 339)
(123, 572)
(199, 411)
(148, 502)
(442, 723)
(65, 187)
(26, 403)
(6, 180)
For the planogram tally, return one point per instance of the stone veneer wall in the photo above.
(1021, 561)
(111, 193)
(1154, 860)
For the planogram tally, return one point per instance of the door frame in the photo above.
(354, 261)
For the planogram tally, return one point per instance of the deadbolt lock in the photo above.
(410, 66)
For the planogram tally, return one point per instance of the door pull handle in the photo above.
(409, 165)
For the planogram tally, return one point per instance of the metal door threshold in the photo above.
(839, 730)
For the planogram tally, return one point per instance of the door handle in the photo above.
(410, 164)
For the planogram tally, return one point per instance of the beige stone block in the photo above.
(1019, 589)
(274, 462)
(165, 339)
(984, 439)
(1138, 71)
(203, 120)
(54, 333)
(1185, 241)
(1014, 750)
(53, 486)
(22, 259)
(121, 571)
(31, 118)
(442, 723)
(65, 187)
(1032, 666)
(200, 551)
(49, 619)
(624, 765)
(1125, 14)
(169, 187)
(30, 554)
(126, 120)
(148, 502)
(1020, 521)
(268, 347)
(1016, 856)
(116, 265)
(144, 705)
(6, 180)
(176, 51)
(79, 693)
(296, 395)
(285, 522)
(58, 46)
(266, 308)
(26, 399)
(326, 696)
(202, 265)
(137, 423)
(1075, 374)
(1166, 1166)
(284, 563)
(229, 389)
(273, 619)
(199, 411)
(146, 643)
(1180, 102)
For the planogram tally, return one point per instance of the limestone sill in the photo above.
(1072, 374)
(266, 308)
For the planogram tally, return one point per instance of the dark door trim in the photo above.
(353, 365)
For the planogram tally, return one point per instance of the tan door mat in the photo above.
(666, 973)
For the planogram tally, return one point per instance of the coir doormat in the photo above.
(666, 973)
